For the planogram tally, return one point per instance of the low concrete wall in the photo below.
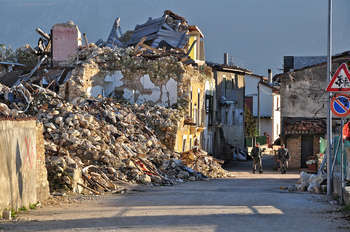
(23, 175)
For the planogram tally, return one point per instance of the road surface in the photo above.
(251, 203)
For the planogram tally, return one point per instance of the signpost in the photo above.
(341, 80)
(329, 115)
(340, 105)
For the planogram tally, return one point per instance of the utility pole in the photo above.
(259, 108)
(329, 115)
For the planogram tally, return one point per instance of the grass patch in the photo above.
(32, 206)
(346, 209)
(23, 208)
(13, 213)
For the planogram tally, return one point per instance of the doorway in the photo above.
(307, 149)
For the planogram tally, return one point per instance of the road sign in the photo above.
(340, 80)
(340, 105)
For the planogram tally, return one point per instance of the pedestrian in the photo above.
(257, 158)
(283, 157)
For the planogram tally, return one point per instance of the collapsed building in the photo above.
(131, 109)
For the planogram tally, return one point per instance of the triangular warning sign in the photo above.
(340, 80)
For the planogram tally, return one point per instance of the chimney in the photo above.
(225, 58)
(269, 72)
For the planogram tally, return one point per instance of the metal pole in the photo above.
(329, 115)
(259, 108)
(342, 163)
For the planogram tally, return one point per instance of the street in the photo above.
(245, 203)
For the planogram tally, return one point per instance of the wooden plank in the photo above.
(86, 40)
(140, 43)
(90, 189)
(155, 50)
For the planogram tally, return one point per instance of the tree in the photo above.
(249, 123)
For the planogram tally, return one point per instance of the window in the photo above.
(199, 108)
(184, 145)
(191, 105)
(233, 118)
(277, 104)
(195, 115)
(232, 83)
(236, 80)
(209, 108)
(190, 143)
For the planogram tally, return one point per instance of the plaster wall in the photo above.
(266, 96)
(303, 92)
(276, 117)
(23, 175)
(231, 86)
(66, 39)
(266, 127)
(136, 90)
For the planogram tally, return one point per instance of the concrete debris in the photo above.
(97, 143)
(200, 161)
(308, 182)
(94, 143)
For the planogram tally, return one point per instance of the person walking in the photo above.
(283, 157)
(257, 158)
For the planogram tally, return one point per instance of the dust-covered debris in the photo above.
(97, 143)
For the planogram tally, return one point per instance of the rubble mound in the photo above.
(200, 161)
(93, 144)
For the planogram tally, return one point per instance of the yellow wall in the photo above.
(194, 50)
(189, 131)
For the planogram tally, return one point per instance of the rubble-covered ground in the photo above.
(91, 145)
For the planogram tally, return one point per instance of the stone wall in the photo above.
(303, 92)
(294, 148)
(164, 81)
(23, 175)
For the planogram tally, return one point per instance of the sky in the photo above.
(255, 33)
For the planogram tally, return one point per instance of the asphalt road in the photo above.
(252, 203)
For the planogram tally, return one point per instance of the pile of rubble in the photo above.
(94, 144)
(313, 183)
(199, 160)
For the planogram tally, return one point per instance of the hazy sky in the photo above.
(257, 33)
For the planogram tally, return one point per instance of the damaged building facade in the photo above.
(174, 76)
(304, 108)
(165, 82)
(229, 112)
(136, 112)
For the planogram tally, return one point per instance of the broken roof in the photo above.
(228, 68)
(195, 28)
(171, 29)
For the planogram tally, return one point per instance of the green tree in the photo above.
(249, 123)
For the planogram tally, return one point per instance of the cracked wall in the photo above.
(303, 93)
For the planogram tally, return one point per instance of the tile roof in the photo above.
(301, 127)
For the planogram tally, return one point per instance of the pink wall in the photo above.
(66, 40)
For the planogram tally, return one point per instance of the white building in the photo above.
(270, 116)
